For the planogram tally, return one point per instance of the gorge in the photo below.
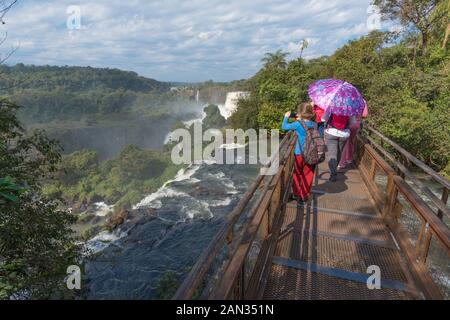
(165, 231)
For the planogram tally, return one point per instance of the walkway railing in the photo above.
(236, 263)
(405, 165)
(232, 265)
(420, 233)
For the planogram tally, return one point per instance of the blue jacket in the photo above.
(301, 133)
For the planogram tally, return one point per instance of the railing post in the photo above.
(400, 172)
(269, 215)
(393, 208)
(283, 179)
(426, 246)
(242, 288)
(373, 169)
(390, 195)
(423, 243)
(444, 200)
(406, 162)
(422, 232)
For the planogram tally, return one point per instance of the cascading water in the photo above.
(227, 109)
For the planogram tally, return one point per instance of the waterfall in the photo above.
(227, 109)
(197, 96)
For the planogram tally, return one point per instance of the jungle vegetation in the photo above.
(405, 78)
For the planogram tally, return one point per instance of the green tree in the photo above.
(419, 14)
(358, 60)
(123, 180)
(9, 191)
(213, 119)
(246, 115)
(36, 243)
(275, 60)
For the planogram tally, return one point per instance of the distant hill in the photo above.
(51, 93)
(75, 79)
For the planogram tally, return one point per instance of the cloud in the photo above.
(180, 40)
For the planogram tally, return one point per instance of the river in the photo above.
(166, 231)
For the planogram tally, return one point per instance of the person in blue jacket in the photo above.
(303, 173)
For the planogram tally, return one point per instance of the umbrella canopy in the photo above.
(337, 97)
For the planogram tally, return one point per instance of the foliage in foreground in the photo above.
(36, 243)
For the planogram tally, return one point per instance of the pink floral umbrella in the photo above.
(337, 97)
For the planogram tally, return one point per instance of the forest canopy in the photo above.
(51, 93)
(123, 180)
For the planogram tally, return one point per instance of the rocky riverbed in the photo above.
(165, 232)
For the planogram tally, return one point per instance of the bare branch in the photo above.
(9, 54)
(4, 38)
(5, 6)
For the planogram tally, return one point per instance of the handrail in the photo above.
(203, 264)
(433, 198)
(436, 176)
(231, 274)
(440, 229)
(441, 204)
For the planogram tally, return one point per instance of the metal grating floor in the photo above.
(292, 284)
(325, 248)
(345, 203)
(342, 254)
(343, 223)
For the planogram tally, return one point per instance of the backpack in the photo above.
(314, 148)
(329, 123)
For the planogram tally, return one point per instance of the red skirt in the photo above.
(302, 179)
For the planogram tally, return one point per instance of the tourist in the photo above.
(336, 134)
(303, 173)
(349, 148)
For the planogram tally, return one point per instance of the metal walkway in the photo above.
(325, 247)
(376, 217)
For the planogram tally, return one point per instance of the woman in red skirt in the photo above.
(303, 173)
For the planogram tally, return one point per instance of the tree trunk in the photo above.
(447, 33)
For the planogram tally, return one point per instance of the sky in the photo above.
(179, 40)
